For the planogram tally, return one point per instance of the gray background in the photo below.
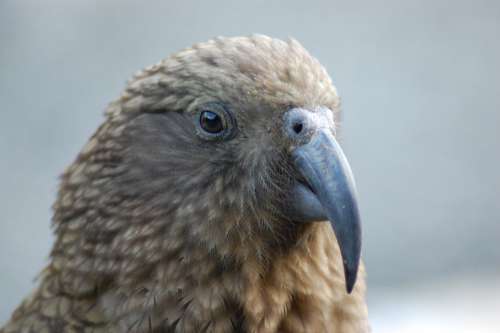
(419, 81)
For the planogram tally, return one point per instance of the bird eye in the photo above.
(214, 121)
(211, 122)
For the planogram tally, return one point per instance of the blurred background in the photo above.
(420, 86)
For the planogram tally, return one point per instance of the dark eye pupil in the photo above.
(211, 122)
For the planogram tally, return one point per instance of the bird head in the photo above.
(229, 145)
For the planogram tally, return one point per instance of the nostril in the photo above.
(297, 127)
(298, 124)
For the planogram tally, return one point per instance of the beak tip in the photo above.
(350, 275)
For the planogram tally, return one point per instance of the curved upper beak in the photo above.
(327, 192)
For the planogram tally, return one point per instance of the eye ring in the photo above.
(214, 122)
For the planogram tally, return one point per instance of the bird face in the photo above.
(234, 141)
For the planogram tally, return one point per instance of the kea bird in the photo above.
(213, 198)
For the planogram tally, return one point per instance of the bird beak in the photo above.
(327, 192)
